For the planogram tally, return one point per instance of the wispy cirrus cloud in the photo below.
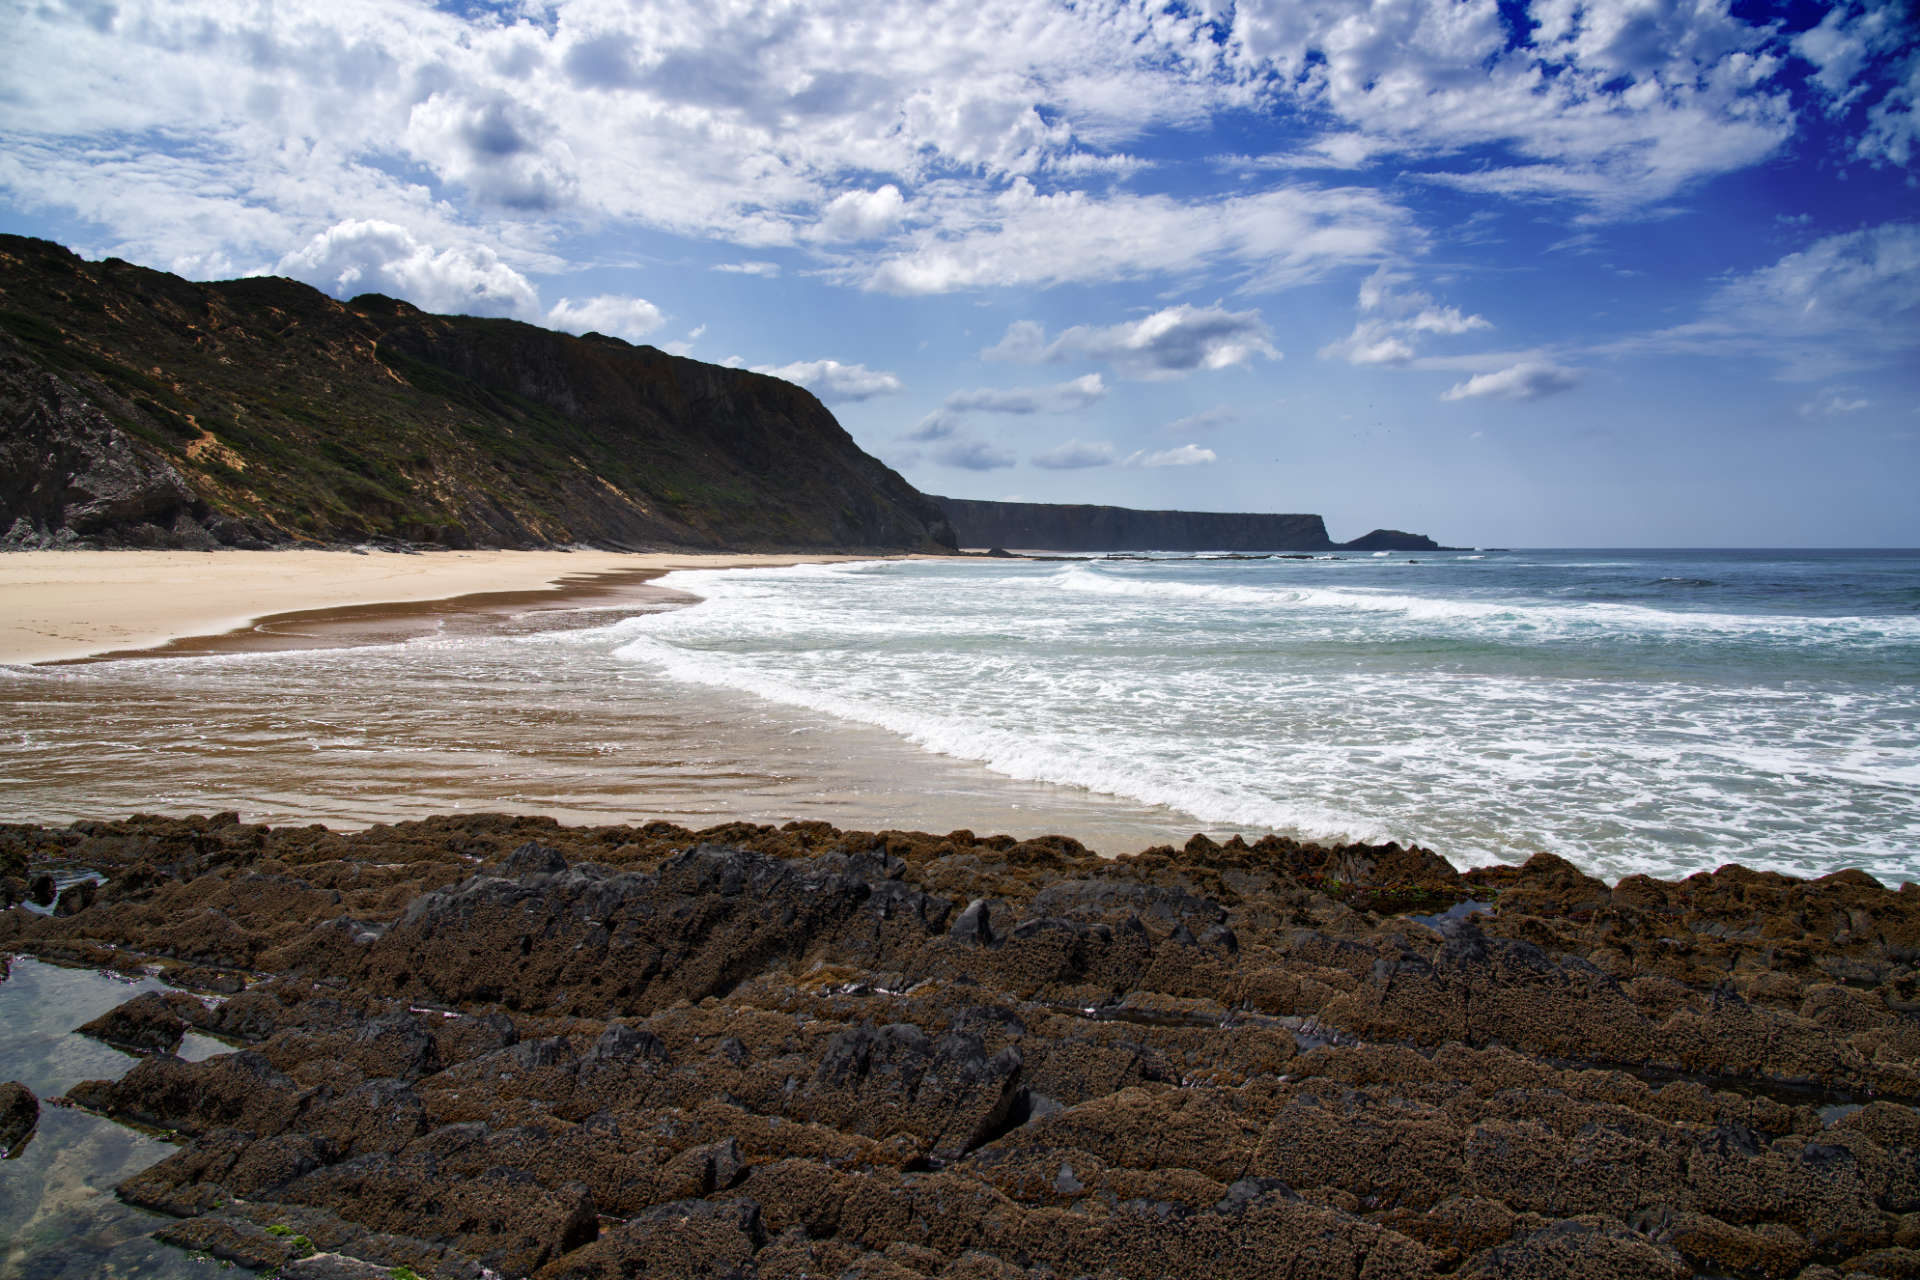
(1843, 303)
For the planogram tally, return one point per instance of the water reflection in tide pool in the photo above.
(59, 1218)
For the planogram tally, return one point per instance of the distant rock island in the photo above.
(138, 409)
(1079, 527)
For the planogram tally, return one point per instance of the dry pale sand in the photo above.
(60, 605)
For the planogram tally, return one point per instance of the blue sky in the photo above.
(1621, 272)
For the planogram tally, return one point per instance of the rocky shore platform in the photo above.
(491, 1045)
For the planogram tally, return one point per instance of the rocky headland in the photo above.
(139, 409)
(1056, 526)
(491, 1044)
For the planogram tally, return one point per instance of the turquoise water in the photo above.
(1635, 711)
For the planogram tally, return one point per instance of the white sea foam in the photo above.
(1186, 686)
(1507, 614)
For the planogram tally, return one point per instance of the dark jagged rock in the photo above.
(150, 1023)
(75, 898)
(138, 409)
(1392, 540)
(19, 1113)
(498, 1043)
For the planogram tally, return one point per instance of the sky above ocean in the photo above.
(1559, 273)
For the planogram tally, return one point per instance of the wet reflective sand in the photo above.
(490, 703)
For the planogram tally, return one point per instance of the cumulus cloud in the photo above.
(1393, 321)
(1061, 397)
(1170, 343)
(974, 455)
(497, 147)
(1075, 454)
(1867, 64)
(1529, 380)
(629, 318)
(863, 215)
(1186, 455)
(992, 138)
(370, 256)
(831, 380)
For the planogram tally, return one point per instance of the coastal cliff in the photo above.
(141, 409)
(138, 409)
(1080, 527)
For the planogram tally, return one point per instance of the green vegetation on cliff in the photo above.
(138, 408)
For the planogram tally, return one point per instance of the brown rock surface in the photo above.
(498, 1043)
(19, 1113)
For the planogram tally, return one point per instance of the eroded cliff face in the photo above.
(1043, 526)
(140, 409)
(1079, 527)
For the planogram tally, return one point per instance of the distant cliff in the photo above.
(140, 409)
(1055, 527)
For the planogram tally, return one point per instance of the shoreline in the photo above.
(308, 742)
(81, 606)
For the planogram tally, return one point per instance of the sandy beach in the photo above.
(64, 605)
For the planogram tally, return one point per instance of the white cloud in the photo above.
(754, 268)
(1526, 381)
(1865, 57)
(1170, 343)
(1075, 454)
(1061, 397)
(1844, 303)
(974, 455)
(863, 215)
(1862, 283)
(1615, 104)
(369, 256)
(1186, 455)
(1394, 319)
(629, 318)
(1025, 237)
(831, 380)
(991, 141)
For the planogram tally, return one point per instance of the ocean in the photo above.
(1635, 711)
